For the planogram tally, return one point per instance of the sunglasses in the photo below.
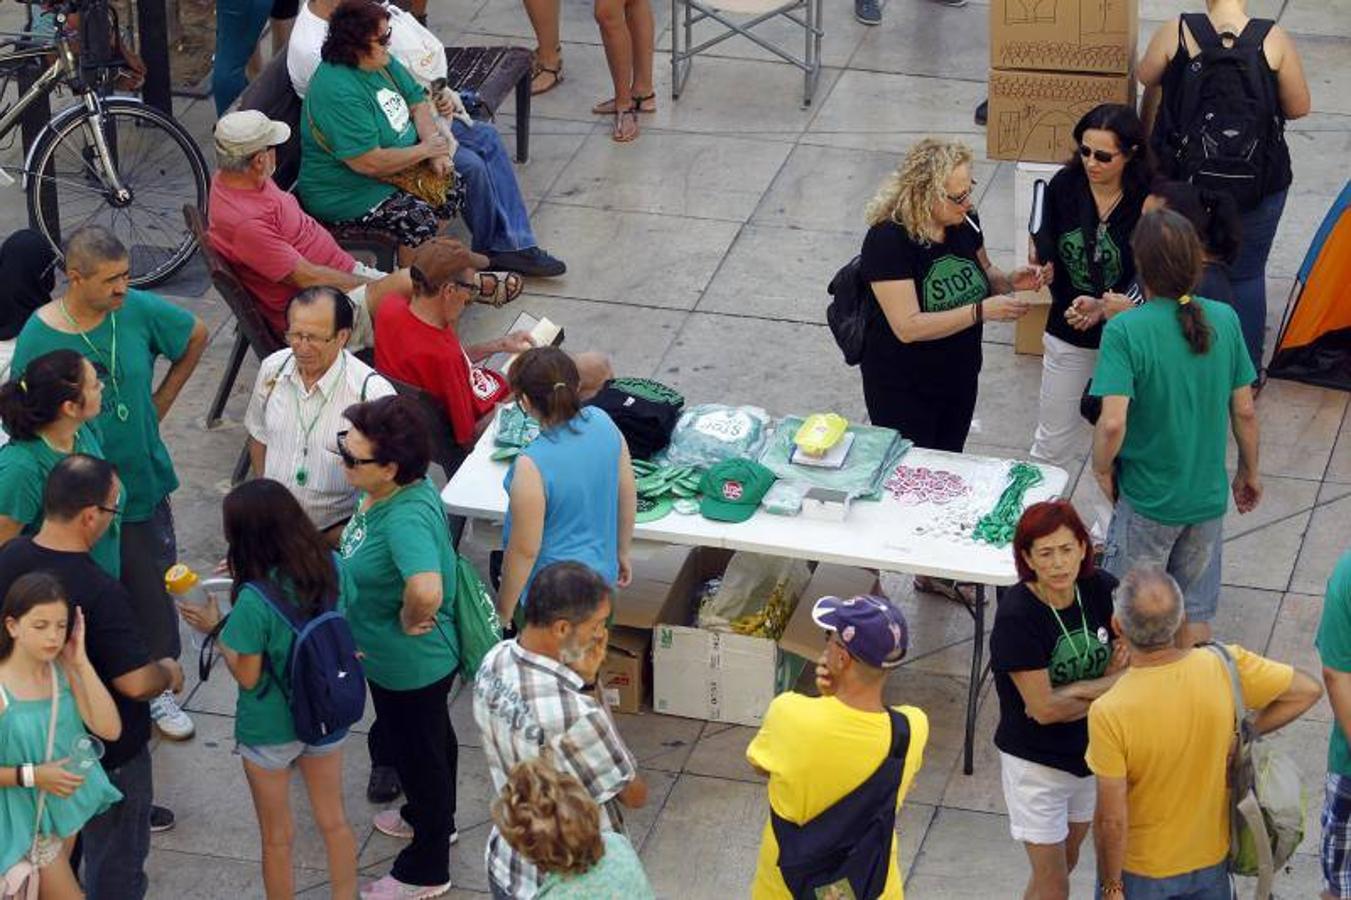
(348, 460)
(964, 197)
(1102, 156)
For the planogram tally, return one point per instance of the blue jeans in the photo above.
(1249, 272)
(117, 841)
(239, 23)
(1190, 553)
(493, 208)
(1211, 883)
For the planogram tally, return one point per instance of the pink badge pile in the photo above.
(916, 484)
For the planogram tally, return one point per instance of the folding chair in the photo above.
(251, 329)
(805, 13)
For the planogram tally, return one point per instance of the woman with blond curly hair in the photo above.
(548, 817)
(924, 258)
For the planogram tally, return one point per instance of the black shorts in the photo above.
(285, 9)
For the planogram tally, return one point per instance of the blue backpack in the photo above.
(324, 684)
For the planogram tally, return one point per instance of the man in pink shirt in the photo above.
(275, 246)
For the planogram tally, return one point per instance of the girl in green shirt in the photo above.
(548, 817)
(271, 540)
(47, 411)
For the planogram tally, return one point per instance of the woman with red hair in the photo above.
(1052, 652)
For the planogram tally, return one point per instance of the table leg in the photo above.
(977, 676)
(523, 118)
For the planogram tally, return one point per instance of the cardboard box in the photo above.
(803, 637)
(1033, 114)
(623, 676)
(656, 567)
(1064, 35)
(705, 674)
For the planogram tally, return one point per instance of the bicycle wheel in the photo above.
(156, 160)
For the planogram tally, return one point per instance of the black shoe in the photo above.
(161, 819)
(531, 261)
(384, 785)
(982, 112)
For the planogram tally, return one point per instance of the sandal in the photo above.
(543, 78)
(497, 289)
(644, 103)
(626, 126)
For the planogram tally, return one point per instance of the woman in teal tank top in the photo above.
(571, 492)
(41, 649)
(49, 410)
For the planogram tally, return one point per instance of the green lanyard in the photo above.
(1083, 625)
(123, 413)
(302, 471)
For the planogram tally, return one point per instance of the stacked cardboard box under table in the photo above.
(1051, 61)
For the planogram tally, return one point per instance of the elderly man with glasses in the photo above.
(295, 413)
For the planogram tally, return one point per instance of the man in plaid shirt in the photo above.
(530, 699)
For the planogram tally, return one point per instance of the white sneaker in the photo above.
(170, 719)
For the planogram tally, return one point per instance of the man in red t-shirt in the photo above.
(275, 246)
(418, 343)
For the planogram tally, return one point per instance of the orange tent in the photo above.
(1315, 338)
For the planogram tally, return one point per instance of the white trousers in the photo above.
(1065, 369)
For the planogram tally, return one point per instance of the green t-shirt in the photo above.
(382, 547)
(618, 875)
(24, 467)
(146, 327)
(355, 111)
(1177, 425)
(1334, 647)
(262, 715)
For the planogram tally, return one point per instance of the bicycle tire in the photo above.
(168, 171)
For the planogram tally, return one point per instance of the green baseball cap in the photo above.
(733, 489)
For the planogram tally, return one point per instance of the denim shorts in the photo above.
(1210, 883)
(1335, 851)
(1190, 553)
(276, 757)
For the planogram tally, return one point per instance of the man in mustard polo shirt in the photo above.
(1158, 742)
(831, 759)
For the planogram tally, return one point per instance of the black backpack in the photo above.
(849, 314)
(1220, 125)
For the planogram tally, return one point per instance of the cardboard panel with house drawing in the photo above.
(1064, 35)
(1032, 114)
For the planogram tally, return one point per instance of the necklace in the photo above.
(1083, 626)
(302, 470)
(120, 408)
(1102, 226)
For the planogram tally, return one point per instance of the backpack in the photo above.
(323, 683)
(850, 313)
(1220, 125)
(845, 851)
(1266, 798)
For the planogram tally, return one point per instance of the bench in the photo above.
(492, 73)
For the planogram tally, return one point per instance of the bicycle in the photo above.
(108, 160)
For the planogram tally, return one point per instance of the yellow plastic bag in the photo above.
(820, 432)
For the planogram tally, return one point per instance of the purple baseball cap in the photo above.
(872, 630)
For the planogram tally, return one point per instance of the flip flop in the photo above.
(620, 134)
(607, 107)
(497, 289)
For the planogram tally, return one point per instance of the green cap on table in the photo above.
(733, 489)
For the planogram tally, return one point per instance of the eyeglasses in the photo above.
(300, 337)
(1102, 156)
(467, 285)
(110, 510)
(384, 39)
(964, 197)
(348, 459)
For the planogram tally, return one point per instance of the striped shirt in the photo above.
(282, 411)
(524, 702)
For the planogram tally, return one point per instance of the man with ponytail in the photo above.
(1174, 377)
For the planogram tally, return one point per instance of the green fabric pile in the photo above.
(660, 486)
(873, 456)
(514, 430)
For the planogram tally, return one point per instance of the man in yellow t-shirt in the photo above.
(1158, 742)
(818, 751)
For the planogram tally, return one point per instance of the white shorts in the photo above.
(363, 330)
(1043, 801)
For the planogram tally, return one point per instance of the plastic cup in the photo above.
(85, 752)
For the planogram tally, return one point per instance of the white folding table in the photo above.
(885, 535)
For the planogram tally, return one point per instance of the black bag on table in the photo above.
(847, 848)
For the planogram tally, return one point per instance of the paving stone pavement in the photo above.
(698, 255)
